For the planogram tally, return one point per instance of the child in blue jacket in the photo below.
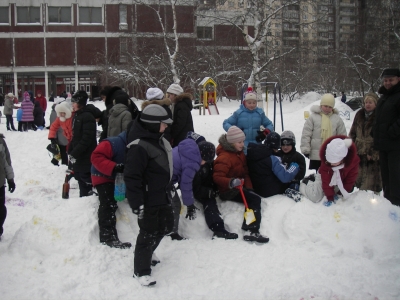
(249, 118)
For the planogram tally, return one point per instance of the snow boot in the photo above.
(118, 244)
(225, 235)
(145, 280)
(295, 195)
(176, 237)
(328, 203)
(256, 237)
(154, 260)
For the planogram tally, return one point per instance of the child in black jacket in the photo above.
(204, 191)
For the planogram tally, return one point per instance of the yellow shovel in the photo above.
(249, 213)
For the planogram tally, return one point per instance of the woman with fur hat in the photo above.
(369, 175)
(250, 118)
(230, 168)
(182, 113)
(8, 111)
(60, 132)
(323, 123)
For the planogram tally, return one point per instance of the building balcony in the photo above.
(347, 31)
(347, 4)
(291, 38)
(347, 13)
(347, 22)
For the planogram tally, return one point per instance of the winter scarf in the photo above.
(336, 180)
(326, 126)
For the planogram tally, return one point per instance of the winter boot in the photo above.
(256, 237)
(295, 195)
(118, 244)
(176, 237)
(225, 235)
(154, 260)
(145, 280)
(328, 203)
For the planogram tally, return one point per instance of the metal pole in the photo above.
(280, 102)
(274, 106)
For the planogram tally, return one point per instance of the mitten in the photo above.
(72, 159)
(119, 168)
(53, 141)
(11, 185)
(139, 211)
(235, 182)
(293, 164)
(191, 212)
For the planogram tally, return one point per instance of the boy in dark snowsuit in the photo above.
(266, 170)
(108, 160)
(204, 191)
(288, 154)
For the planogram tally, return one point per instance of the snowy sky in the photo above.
(50, 247)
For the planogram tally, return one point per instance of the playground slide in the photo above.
(213, 110)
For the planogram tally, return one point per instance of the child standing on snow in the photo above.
(107, 161)
(323, 123)
(249, 118)
(204, 189)
(337, 174)
(268, 175)
(230, 168)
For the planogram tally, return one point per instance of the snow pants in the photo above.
(85, 183)
(155, 224)
(176, 207)
(212, 215)
(106, 213)
(3, 208)
(390, 171)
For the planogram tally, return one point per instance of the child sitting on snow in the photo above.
(337, 174)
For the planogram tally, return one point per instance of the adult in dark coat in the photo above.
(38, 119)
(386, 133)
(288, 154)
(83, 142)
(266, 170)
(147, 174)
(182, 117)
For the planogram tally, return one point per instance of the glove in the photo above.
(71, 159)
(119, 168)
(211, 194)
(235, 182)
(191, 212)
(53, 141)
(139, 211)
(307, 155)
(11, 185)
(293, 164)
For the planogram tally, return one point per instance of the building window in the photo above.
(305, 17)
(4, 17)
(28, 15)
(204, 33)
(123, 49)
(278, 33)
(90, 15)
(59, 14)
(123, 9)
(305, 35)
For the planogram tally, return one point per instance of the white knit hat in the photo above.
(175, 89)
(337, 149)
(154, 94)
(235, 135)
(328, 100)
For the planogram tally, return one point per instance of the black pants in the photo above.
(10, 122)
(254, 203)
(85, 183)
(155, 224)
(212, 215)
(107, 208)
(3, 208)
(176, 208)
(390, 171)
(26, 126)
(64, 154)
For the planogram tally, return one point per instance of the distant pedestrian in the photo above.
(9, 111)
(343, 99)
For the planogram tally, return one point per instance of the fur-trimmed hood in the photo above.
(317, 109)
(224, 145)
(185, 98)
(164, 101)
(65, 108)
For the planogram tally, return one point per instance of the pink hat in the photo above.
(235, 135)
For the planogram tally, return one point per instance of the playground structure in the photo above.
(208, 96)
(264, 104)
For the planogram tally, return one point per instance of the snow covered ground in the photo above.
(50, 247)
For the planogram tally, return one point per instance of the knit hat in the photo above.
(273, 140)
(288, 138)
(235, 135)
(195, 136)
(390, 73)
(11, 95)
(154, 94)
(80, 97)
(371, 96)
(328, 100)
(207, 151)
(250, 94)
(27, 96)
(175, 89)
(155, 114)
(119, 96)
(337, 149)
